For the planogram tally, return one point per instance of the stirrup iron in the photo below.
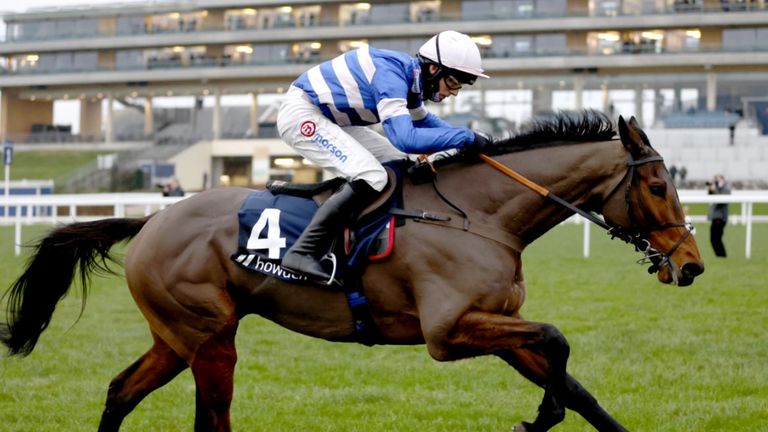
(330, 256)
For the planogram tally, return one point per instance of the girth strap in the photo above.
(489, 232)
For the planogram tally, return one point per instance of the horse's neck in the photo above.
(577, 173)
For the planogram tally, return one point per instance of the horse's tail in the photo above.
(49, 273)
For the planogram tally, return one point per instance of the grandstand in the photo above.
(688, 70)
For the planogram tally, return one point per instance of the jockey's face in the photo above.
(449, 86)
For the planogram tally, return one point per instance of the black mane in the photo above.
(554, 129)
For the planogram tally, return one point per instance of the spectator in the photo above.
(673, 174)
(732, 131)
(173, 189)
(718, 214)
(682, 172)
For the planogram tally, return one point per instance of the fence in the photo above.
(51, 209)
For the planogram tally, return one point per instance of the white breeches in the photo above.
(352, 152)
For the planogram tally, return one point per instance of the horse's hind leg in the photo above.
(151, 371)
(213, 367)
(540, 352)
(533, 365)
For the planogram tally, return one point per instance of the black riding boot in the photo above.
(305, 255)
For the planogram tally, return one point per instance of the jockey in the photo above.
(326, 111)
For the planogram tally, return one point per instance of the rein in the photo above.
(634, 236)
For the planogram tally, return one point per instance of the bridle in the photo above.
(634, 235)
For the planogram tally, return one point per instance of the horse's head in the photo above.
(645, 205)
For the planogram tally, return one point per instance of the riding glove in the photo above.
(482, 143)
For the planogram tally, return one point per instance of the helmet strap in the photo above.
(431, 81)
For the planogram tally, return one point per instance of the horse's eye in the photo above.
(658, 190)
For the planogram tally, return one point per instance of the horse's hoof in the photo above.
(520, 428)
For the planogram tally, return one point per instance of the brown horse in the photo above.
(459, 291)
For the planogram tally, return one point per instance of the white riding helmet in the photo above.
(454, 50)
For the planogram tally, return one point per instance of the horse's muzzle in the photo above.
(689, 272)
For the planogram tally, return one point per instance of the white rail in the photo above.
(52, 209)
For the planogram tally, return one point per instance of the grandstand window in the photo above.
(63, 27)
(64, 61)
(24, 61)
(553, 43)
(347, 45)
(354, 13)
(85, 60)
(551, 7)
(605, 43)
(682, 40)
(86, 27)
(745, 39)
(306, 52)
(130, 24)
(425, 11)
(604, 7)
(508, 46)
(486, 9)
(129, 59)
(47, 62)
(176, 22)
(24, 30)
(762, 38)
(685, 5)
(280, 17)
(307, 16)
(389, 13)
(402, 45)
(260, 54)
(239, 19)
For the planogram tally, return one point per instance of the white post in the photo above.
(7, 189)
(109, 128)
(748, 251)
(586, 236)
(216, 126)
(254, 115)
(578, 89)
(17, 237)
(711, 91)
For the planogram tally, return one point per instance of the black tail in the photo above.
(50, 271)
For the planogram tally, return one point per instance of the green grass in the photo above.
(658, 357)
(44, 165)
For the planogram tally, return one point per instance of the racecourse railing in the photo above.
(20, 210)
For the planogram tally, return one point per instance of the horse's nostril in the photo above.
(692, 270)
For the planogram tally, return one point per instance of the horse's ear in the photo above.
(630, 136)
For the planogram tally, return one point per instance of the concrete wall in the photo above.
(192, 164)
(197, 161)
(90, 118)
(17, 116)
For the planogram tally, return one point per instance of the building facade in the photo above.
(648, 58)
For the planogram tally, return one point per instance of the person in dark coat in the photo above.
(718, 214)
(173, 188)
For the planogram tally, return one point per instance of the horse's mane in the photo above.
(553, 129)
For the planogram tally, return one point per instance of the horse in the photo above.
(456, 288)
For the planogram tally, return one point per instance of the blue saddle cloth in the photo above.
(269, 224)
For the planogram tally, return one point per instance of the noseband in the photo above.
(634, 235)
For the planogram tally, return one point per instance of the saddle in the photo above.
(320, 192)
(271, 220)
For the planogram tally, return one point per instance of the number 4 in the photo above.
(273, 242)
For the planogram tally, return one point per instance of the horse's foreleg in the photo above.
(154, 369)
(214, 368)
(540, 353)
(479, 333)
(533, 365)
